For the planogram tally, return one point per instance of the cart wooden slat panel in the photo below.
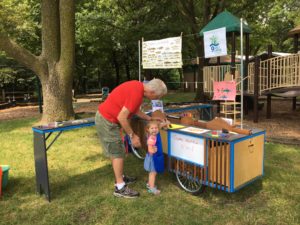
(187, 169)
(218, 163)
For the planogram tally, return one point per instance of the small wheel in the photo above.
(138, 152)
(188, 184)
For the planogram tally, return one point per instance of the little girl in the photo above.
(154, 162)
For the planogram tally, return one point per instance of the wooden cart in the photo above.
(227, 162)
(198, 158)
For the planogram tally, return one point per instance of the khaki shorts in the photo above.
(110, 137)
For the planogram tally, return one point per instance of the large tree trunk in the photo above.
(57, 95)
(117, 67)
(55, 65)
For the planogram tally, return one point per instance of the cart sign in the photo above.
(215, 43)
(187, 147)
(162, 54)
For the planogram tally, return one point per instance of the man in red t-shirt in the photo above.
(113, 114)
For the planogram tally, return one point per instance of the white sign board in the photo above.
(162, 54)
(215, 43)
(157, 105)
(187, 148)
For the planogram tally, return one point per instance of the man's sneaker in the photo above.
(126, 192)
(129, 180)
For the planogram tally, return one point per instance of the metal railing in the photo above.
(277, 72)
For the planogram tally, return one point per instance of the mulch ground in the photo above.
(283, 127)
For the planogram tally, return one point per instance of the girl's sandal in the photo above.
(148, 186)
(154, 191)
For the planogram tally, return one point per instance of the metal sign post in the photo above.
(242, 74)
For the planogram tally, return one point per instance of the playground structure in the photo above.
(279, 76)
(274, 76)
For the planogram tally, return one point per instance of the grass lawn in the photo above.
(81, 183)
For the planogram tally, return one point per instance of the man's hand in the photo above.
(157, 119)
(165, 124)
(135, 141)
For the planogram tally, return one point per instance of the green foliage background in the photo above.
(107, 33)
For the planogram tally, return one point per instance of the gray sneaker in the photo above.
(126, 192)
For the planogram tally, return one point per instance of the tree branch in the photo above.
(22, 55)
(187, 9)
(219, 8)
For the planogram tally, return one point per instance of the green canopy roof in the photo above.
(225, 19)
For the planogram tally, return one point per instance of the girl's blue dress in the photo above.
(155, 162)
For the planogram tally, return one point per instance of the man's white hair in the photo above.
(157, 86)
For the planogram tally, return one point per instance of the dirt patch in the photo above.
(283, 127)
(19, 112)
(284, 124)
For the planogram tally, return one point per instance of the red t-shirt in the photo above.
(129, 94)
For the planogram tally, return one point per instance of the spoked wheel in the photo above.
(138, 152)
(188, 184)
(189, 177)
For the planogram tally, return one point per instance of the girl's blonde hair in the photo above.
(151, 123)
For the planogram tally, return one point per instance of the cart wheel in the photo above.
(189, 185)
(138, 152)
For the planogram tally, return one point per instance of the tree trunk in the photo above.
(127, 67)
(117, 67)
(55, 65)
(57, 95)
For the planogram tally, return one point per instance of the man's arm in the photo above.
(144, 116)
(123, 120)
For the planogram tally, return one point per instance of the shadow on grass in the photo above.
(89, 183)
(96, 157)
(18, 188)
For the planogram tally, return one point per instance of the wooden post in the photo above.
(3, 95)
(269, 106)
(294, 103)
(269, 97)
(256, 82)
(195, 84)
(232, 69)
(296, 43)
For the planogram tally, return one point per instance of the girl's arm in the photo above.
(151, 144)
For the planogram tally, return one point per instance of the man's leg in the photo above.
(118, 164)
(121, 189)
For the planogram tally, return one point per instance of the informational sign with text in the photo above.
(162, 54)
(187, 148)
